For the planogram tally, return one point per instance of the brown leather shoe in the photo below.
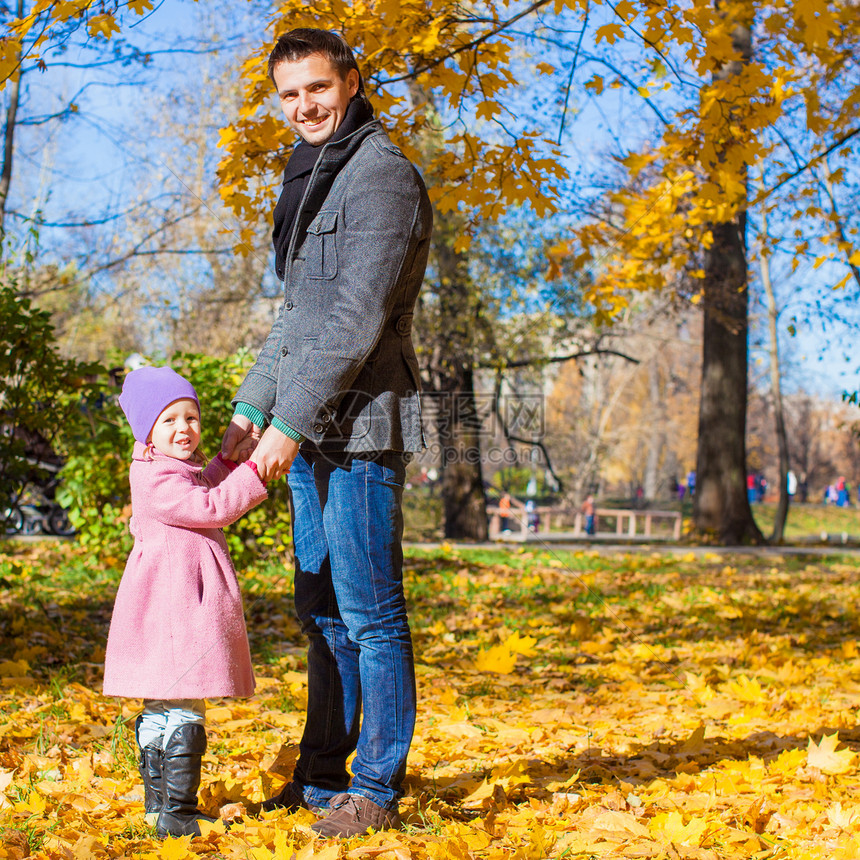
(290, 797)
(353, 814)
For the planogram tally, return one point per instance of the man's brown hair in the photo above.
(304, 41)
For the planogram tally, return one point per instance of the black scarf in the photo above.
(297, 175)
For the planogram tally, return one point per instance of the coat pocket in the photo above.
(321, 247)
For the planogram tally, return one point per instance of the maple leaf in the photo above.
(521, 644)
(176, 848)
(827, 758)
(103, 25)
(609, 32)
(499, 659)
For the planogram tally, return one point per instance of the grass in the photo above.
(642, 685)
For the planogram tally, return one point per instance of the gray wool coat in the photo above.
(339, 365)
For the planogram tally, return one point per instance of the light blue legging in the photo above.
(162, 717)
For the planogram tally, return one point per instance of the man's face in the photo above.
(313, 96)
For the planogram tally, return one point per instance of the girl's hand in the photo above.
(240, 439)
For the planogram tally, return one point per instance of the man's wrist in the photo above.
(286, 429)
(257, 418)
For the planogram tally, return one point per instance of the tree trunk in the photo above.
(458, 424)
(459, 428)
(9, 138)
(776, 387)
(657, 436)
(720, 504)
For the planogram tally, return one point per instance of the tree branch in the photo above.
(804, 167)
(556, 359)
(467, 46)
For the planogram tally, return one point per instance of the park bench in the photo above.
(629, 523)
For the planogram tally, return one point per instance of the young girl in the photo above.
(177, 634)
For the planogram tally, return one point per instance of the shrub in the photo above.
(95, 478)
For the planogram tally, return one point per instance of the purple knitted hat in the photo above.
(147, 392)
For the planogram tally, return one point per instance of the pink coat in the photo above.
(178, 629)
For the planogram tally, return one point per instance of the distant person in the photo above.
(841, 493)
(589, 513)
(691, 483)
(505, 513)
(681, 490)
(760, 487)
(532, 515)
(751, 487)
(177, 634)
(791, 484)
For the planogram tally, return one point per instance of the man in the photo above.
(337, 383)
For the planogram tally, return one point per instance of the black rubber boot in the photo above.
(183, 754)
(150, 766)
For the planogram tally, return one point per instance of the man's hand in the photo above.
(274, 454)
(240, 439)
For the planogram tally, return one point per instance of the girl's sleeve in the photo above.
(187, 501)
(216, 470)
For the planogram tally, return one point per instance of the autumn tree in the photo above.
(148, 266)
(770, 86)
(721, 88)
(626, 415)
(39, 36)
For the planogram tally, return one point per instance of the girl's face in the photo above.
(176, 432)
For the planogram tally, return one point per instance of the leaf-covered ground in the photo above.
(571, 705)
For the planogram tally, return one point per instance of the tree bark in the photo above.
(720, 505)
(9, 137)
(657, 437)
(459, 427)
(458, 424)
(776, 387)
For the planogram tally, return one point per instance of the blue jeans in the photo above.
(347, 531)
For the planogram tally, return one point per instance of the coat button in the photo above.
(325, 418)
(284, 351)
(318, 428)
(288, 306)
(404, 325)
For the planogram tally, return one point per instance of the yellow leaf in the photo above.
(595, 84)
(545, 68)
(103, 25)
(670, 827)
(218, 715)
(481, 793)
(488, 109)
(35, 803)
(826, 757)
(176, 848)
(622, 822)
(609, 32)
(521, 644)
(499, 659)
(216, 826)
(139, 6)
(312, 852)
